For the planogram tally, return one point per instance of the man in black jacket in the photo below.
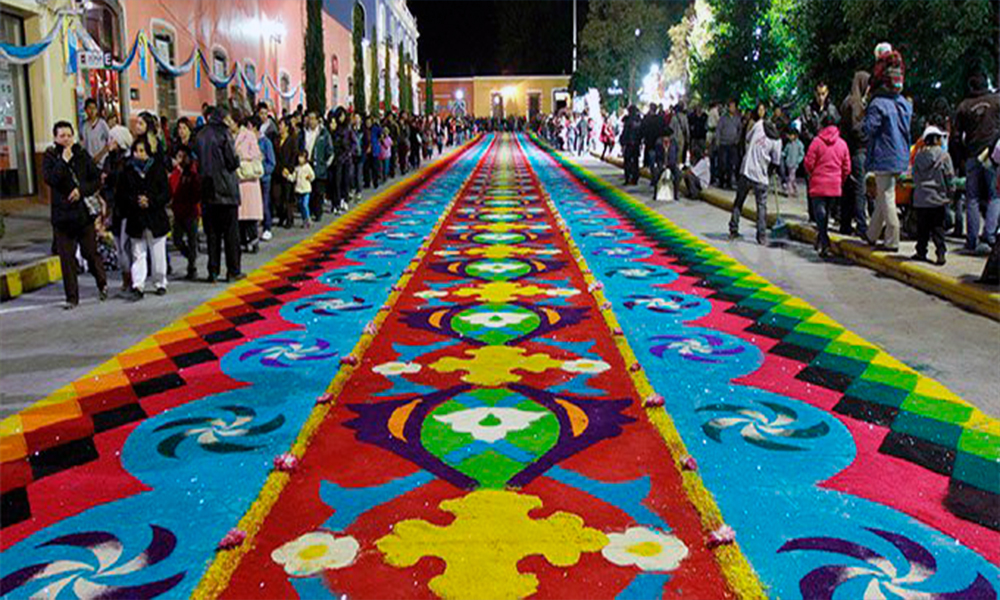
(220, 194)
(72, 176)
(631, 139)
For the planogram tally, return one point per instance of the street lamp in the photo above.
(459, 94)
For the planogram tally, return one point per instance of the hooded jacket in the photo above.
(852, 113)
(63, 177)
(217, 163)
(932, 172)
(154, 185)
(828, 163)
(761, 152)
(887, 125)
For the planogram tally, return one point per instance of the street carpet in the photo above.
(501, 378)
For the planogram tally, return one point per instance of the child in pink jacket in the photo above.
(828, 162)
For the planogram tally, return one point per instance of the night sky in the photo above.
(494, 37)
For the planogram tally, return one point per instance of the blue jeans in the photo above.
(980, 196)
(854, 204)
(743, 187)
(821, 210)
(728, 164)
(303, 200)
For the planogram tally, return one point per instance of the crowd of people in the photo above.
(938, 169)
(119, 193)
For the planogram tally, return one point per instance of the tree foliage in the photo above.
(404, 83)
(357, 36)
(429, 92)
(388, 75)
(373, 101)
(610, 48)
(315, 58)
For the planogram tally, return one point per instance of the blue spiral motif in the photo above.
(328, 306)
(760, 429)
(879, 576)
(99, 575)
(684, 307)
(222, 435)
(702, 347)
(285, 352)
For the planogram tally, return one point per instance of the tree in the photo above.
(357, 37)
(942, 43)
(388, 75)
(621, 39)
(429, 92)
(401, 76)
(315, 59)
(373, 101)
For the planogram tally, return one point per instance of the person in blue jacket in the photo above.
(887, 126)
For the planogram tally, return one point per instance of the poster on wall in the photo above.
(7, 110)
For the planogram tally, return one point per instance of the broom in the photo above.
(780, 229)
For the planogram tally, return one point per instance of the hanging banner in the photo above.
(124, 65)
(70, 51)
(249, 85)
(285, 95)
(197, 70)
(23, 55)
(216, 81)
(164, 65)
(143, 60)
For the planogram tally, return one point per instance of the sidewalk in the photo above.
(26, 261)
(955, 281)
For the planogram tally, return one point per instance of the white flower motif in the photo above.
(336, 304)
(498, 267)
(314, 552)
(292, 351)
(489, 424)
(585, 365)
(670, 303)
(495, 320)
(563, 292)
(498, 237)
(446, 253)
(618, 252)
(645, 548)
(397, 368)
(427, 294)
(635, 272)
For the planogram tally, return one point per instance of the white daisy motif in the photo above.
(427, 294)
(292, 351)
(397, 368)
(563, 292)
(585, 365)
(489, 424)
(495, 320)
(668, 303)
(645, 548)
(618, 252)
(634, 272)
(360, 276)
(315, 552)
(498, 267)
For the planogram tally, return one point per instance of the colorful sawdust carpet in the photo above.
(502, 378)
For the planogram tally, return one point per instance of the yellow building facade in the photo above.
(500, 96)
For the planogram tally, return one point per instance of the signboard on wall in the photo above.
(94, 60)
(7, 110)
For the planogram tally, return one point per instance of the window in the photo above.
(17, 177)
(166, 84)
(219, 71)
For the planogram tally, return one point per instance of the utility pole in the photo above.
(574, 36)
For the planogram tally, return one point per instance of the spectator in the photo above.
(146, 126)
(342, 159)
(791, 158)
(185, 191)
(94, 133)
(932, 174)
(303, 178)
(316, 142)
(828, 163)
(812, 116)
(269, 161)
(728, 134)
(854, 204)
(699, 176)
(220, 194)
(385, 156)
(144, 192)
(680, 132)
(73, 177)
(282, 186)
(358, 152)
(607, 136)
(631, 139)
(251, 169)
(887, 125)
(114, 165)
(184, 137)
(370, 144)
(713, 147)
(698, 126)
(977, 128)
(762, 152)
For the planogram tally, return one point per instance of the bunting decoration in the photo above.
(71, 51)
(197, 70)
(164, 64)
(143, 60)
(23, 55)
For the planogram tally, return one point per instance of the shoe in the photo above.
(734, 236)
(192, 275)
(266, 236)
(254, 248)
(136, 295)
(940, 260)
(236, 277)
(102, 293)
(983, 249)
(824, 253)
(920, 257)
(70, 305)
(162, 291)
(211, 278)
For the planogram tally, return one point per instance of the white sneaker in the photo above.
(266, 236)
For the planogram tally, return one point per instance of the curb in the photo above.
(968, 296)
(30, 277)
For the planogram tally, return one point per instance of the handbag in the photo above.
(93, 204)
(250, 169)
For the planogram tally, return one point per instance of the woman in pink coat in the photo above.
(250, 171)
(828, 162)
